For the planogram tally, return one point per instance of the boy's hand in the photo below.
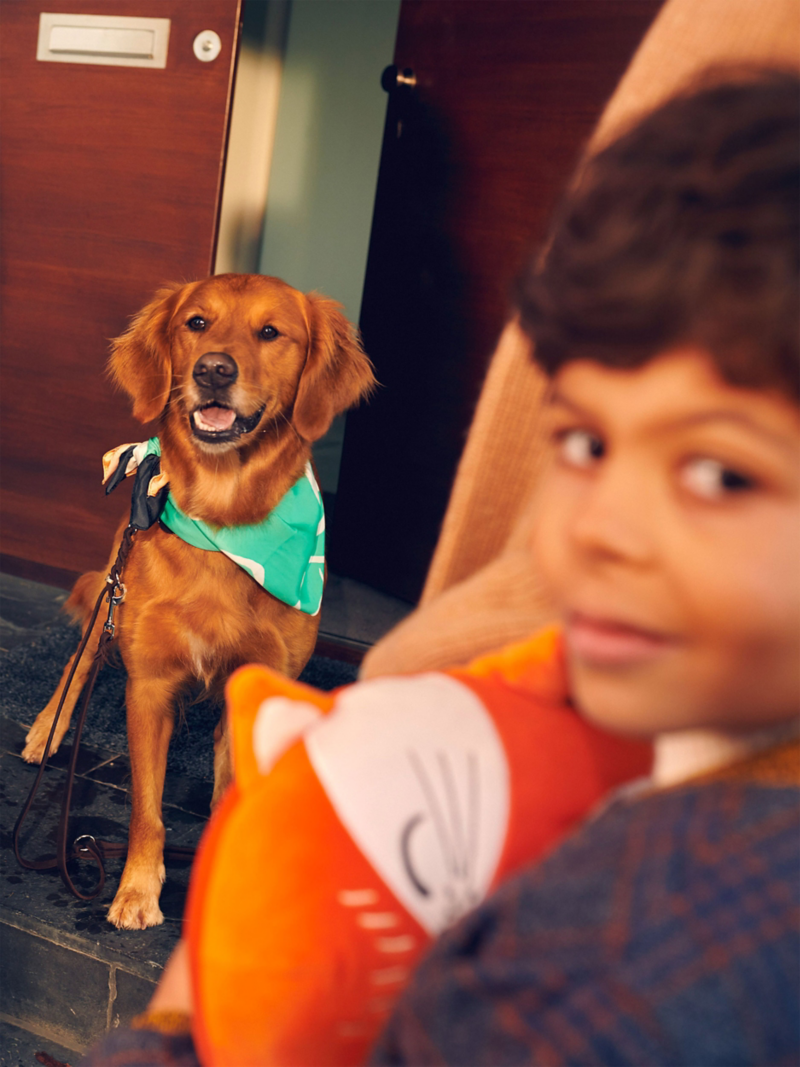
(174, 990)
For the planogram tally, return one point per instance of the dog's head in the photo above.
(233, 352)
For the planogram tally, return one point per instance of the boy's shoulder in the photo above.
(664, 931)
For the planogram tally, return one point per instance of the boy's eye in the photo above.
(712, 480)
(580, 448)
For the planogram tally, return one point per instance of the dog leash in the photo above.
(144, 512)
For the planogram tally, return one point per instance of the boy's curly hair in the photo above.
(683, 230)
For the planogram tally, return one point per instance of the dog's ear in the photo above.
(337, 372)
(140, 361)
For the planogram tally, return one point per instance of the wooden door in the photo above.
(474, 157)
(109, 185)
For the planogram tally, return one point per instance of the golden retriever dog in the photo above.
(242, 372)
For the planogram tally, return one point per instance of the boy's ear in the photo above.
(140, 361)
(337, 372)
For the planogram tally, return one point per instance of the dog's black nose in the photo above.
(215, 370)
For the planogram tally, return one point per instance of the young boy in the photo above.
(665, 311)
(666, 930)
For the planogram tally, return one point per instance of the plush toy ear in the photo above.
(337, 372)
(140, 358)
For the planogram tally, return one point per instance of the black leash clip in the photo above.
(114, 601)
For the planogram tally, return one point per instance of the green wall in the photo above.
(327, 145)
(325, 159)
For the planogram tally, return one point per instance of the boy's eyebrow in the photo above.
(738, 417)
(730, 415)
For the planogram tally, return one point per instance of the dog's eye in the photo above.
(268, 333)
(196, 323)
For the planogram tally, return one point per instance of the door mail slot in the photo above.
(105, 39)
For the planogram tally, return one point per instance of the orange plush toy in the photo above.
(362, 823)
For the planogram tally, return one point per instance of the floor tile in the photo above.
(19, 1047)
(42, 980)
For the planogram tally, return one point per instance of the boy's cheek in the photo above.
(759, 675)
(549, 544)
(750, 609)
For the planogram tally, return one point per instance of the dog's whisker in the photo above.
(289, 423)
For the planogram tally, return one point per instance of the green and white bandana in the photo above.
(285, 553)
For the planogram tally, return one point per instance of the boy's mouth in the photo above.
(601, 642)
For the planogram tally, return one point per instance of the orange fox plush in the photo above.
(363, 822)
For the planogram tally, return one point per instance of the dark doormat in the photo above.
(30, 673)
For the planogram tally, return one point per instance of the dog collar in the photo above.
(285, 553)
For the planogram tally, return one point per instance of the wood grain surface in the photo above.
(109, 186)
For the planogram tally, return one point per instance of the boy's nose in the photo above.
(617, 519)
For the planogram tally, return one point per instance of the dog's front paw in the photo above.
(135, 909)
(36, 742)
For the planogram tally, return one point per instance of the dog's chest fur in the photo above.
(206, 618)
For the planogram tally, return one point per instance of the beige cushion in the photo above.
(489, 492)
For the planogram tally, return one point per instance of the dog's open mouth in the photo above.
(215, 423)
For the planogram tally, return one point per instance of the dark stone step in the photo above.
(64, 970)
(20, 1047)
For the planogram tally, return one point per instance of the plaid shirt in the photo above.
(667, 931)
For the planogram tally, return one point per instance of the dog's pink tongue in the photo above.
(215, 419)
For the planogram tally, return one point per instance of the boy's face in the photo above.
(669, 534)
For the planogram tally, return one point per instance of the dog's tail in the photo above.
(82, 599)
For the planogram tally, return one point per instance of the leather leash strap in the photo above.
(85, 846)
